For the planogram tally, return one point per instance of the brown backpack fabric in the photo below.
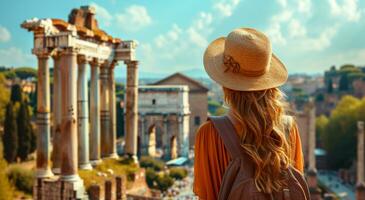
(238, 181)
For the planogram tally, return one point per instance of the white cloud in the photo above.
(173, 35)
(225, 8)
(185, 44)
(274, 30)
(282, 3)
(4, 34)
(288, 29)
(319, 43)
(348, 9)
(102, 14)
(133, 18)
(275, 34)
(13, 56)
(304, 6)
(296, 29)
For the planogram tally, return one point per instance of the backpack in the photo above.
(238, 180)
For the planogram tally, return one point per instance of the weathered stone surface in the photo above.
(164, 120)
(43, 118)
(131, 113)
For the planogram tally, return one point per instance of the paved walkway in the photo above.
(334, 183)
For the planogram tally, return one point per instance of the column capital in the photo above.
(131, 63)
(70, 51)
(96, 62)
(41, 53)
(82, 59)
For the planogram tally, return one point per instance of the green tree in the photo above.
(344, 83)
(16, 93)
(330, 86)
(321, 124)
(33, 139)
(6, 192)
(25, 72)
(4, 97)
(339, 137)
(24, 131)
(10, 137)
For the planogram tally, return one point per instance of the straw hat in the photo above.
(244, 61)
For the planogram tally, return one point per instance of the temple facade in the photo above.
(81, 131)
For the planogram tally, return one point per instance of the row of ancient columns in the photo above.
(71, 116)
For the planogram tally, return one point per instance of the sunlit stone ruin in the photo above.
(73, 47)
(164, 121)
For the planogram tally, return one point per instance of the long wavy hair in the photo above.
(263, 134)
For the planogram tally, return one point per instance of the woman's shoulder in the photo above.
(206, 131)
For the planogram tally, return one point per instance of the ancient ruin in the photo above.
(360, 164)
(197, 93)
(73, 46)
(164, 121)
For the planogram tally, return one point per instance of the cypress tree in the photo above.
(10, 137)
(344, 83)
(33, 139)
(16, 93)
(330, 86)
(24, 131)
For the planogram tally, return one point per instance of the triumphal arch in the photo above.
(83, 129)
(164, 118)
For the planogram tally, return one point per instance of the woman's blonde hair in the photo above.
(263, 134)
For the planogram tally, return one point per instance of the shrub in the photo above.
(164, 182)
(149, 162)
(21, 178)
(178, 173)
(151, 177)
(6, 191)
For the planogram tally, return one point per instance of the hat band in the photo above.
(235, 67)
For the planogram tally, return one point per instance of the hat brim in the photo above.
(276, 76)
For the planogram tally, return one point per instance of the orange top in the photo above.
(212, 158)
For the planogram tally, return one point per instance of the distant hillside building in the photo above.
(198, 100)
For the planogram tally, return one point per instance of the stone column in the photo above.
(143, 136)
(131, 115)
(104, 111)
(43, 118)
(312, 171)
(183, 136)
(312, 136)
(360, 153)
(83, 115)
(166, 139)
(69, 117)
(112, 108)
(360, 184)
(95, 113)
(57, 116)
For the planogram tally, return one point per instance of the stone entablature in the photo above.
(166, 99)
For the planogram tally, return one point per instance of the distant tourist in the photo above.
(254, 152)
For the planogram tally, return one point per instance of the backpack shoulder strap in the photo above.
(228, 134)
(288, 123)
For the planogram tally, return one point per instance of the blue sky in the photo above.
(308, 35)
